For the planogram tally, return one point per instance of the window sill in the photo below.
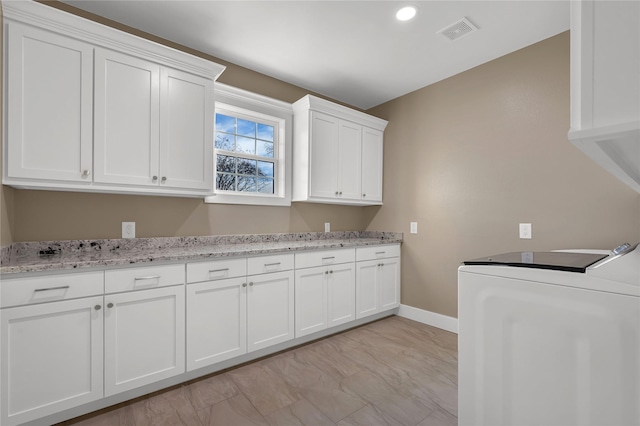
(248, 200)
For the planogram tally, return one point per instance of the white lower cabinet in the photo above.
(51, 358)
(325, 297)
(270, 309)
(216, 321)
(377, 280)
(233, 313)
(144, 337)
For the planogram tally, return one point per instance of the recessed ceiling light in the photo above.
(406, 13)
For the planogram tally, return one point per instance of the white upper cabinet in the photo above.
(152, 124)
(90, 108)
(372, 165)
(127, 119)
(337, 154)
(186, 129)
(48, 106)
(605, 88)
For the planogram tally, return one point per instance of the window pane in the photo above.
(265, 186)
(224, 123)
(265, 169)
(246, 128)
(225, 163)
(246, 167)
(225, 141)
(246, 184)
(246, 145)
(226, 182)
(265, 132)
(264, 149)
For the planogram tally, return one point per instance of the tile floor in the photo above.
(391, 372)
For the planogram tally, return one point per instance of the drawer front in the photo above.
(119, 280)
(50, 288)
(377, 252)
(216, 270)
(265, 264)
(325, 257)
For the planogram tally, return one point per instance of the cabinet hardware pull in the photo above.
(326, 272)
(331, 272)
(86, 173)
(327, 258)
(109, 305)
(62, 287)
(340, 192)
(97, 307)
(272, 264)
(336, 192)
(150, 277)
(244, 284)
(364, 195)
(155, 178)
(164, 179)
(211, 271)
(251, 284)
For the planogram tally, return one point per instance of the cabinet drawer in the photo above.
(264, 264)
(120, 280)
(216, 270)
(377, 252)
(26, 291)
(325, 257)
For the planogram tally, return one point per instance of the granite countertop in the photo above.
(78, 254)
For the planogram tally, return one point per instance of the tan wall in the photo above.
(472, 156)
(45, 215)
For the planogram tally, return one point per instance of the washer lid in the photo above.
(559, 261)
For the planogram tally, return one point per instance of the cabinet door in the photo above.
(367, 291)
(341, 294)
(144, 337)
(311, 300)
(126, 132)
(49, 106)
(186, 131)
(349, 160)
(51, 358)
(216, 321)
(323, 161)
(270, 308)
(372, 165)
(389, 283)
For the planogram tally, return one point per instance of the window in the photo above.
(252, 148)
(245, 156)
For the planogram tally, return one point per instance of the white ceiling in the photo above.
(352, 51)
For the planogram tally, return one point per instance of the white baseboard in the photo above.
(430, 318)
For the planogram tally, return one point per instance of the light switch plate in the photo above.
(413, 227)
(327, 227)
(128, 229)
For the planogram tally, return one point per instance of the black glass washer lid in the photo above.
(559, 261)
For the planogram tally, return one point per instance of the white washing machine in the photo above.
(550, 338)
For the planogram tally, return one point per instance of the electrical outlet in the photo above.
(128, 229)
(413, 227)
(327, 227)
(525, 231)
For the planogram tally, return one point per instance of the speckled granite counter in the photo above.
(76, 254)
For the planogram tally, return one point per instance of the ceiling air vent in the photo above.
(458, 29)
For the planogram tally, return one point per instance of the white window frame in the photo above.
(233, 101)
